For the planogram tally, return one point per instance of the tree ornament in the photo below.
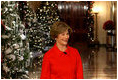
(23, 37)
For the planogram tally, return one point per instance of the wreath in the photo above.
(109, 25)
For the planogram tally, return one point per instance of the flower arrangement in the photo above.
(109, 25)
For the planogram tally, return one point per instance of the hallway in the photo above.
(27, 34)
(98, 63)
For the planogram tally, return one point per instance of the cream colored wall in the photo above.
(103, 15)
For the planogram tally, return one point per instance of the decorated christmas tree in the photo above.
(39, 24)
(89, 21)
(14, 43)
(47, 14)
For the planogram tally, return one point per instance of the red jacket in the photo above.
(57, 65)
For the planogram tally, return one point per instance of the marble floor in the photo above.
(98, 63)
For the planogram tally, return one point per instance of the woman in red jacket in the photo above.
(61, 61)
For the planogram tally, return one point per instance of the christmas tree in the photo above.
(14, 43)
(39, 24)
(89, 21)
(47, 14)
(31, 23)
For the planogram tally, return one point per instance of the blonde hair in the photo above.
(58, 28)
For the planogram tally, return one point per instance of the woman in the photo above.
(61, 61)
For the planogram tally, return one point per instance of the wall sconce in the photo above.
(95, 9)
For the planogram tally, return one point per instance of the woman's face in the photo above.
(62, 39)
